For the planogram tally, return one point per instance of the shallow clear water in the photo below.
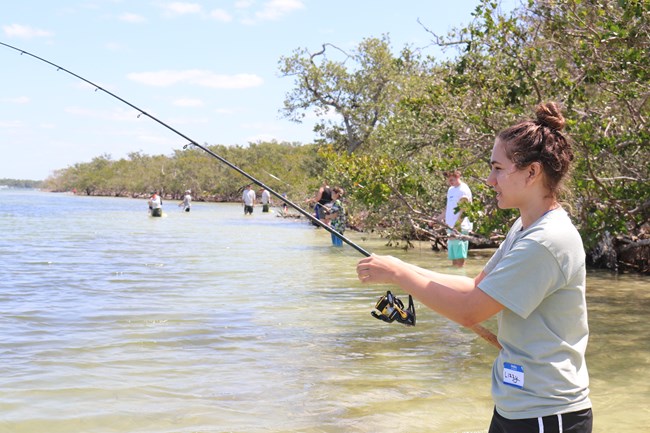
(111, 321)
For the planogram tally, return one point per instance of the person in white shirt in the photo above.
(248, 197)
(186, 204)
(266, 200)
(155, 204)
(457, 193)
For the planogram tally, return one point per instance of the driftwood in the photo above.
(621, 254)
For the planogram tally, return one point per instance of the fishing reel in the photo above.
(390, 308)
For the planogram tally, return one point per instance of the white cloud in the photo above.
(243, 4)
(16, 100)
(156, 139)
(117, 114)
(132, 18)
(20, 31)
(11, 124)
(268, 131)
(197, 77)
(275, 9)
(188, 102)
(221, 15)
(189, 121)
(113, 46)
(182, 8)
(261, 138)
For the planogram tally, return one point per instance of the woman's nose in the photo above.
(491, 179)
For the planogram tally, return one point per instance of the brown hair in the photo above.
(541, 140)
(454, 173)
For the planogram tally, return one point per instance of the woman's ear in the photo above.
(535, 173)
(534, 170)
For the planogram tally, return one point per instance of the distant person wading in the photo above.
(186, 204)
(266, 200)
(457, 193)
(322, 198)
(155, 205)
(248, 197)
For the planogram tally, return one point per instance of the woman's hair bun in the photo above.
(549, 114)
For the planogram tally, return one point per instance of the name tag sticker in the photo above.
(513, 375)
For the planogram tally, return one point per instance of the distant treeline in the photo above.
(21, 183)
(285, 167)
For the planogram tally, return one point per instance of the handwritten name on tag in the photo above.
(513, 375)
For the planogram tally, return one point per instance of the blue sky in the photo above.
(207, 68)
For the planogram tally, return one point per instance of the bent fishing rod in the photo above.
(391, 309)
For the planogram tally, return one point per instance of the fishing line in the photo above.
(484, 333)
(276, 178)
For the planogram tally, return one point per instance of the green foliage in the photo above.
(357, 88)
(284, 167)
(591, 56)
(21, 183)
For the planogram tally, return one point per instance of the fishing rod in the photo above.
(391, 307)
(195, 144)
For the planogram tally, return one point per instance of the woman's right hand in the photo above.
(378, 269)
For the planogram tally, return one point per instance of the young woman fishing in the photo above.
(534, 283)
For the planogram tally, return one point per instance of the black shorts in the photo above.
(248, 209)
(572, 422)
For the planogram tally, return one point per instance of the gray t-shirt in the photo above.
(538, 275)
